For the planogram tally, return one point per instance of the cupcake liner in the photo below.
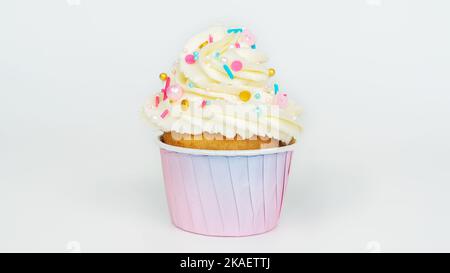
(225, 193)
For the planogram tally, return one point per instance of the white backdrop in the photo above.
(80, 172)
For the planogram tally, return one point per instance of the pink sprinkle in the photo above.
(165, 88)
(190, 59)
(249, 38)
(156, 101)
(236, 65)
(237, 45)
(281, 100)
(210, 38)
(164, 113)
(203, 103)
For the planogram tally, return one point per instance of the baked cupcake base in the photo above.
(209, 141)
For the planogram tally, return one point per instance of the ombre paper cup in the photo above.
(225, 193)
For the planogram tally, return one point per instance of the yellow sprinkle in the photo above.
(163, 76)
(203, 44)
(245, 96)
(184, 104)
(271, 72)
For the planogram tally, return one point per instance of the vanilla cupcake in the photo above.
(227, 135)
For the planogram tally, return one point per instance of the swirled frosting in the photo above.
(221, 85)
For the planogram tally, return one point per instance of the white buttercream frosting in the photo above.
(212, 100)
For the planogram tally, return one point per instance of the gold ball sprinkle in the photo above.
(184, 104)
(245, 96)
(271, 72)
(163, 76)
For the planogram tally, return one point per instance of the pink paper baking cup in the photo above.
(225, 193)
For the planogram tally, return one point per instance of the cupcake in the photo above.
(227, 133)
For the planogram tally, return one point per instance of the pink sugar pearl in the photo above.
(236, 65)
(175, 92)
(281, 100)
(190, 59)
(249, 38)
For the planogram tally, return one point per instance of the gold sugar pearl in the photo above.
(163, 76)
(271, 72)
(184, 104)
(245, 96)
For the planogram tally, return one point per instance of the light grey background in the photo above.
(80, 172)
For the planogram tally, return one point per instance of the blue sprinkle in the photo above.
(228, 70)
(234, 30)
(196, 53)
(191, 85)
(276, 88)
(257, 96)
(217, 55)
(196, 57)
(254, 46)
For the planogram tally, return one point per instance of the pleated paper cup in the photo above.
(225, 193)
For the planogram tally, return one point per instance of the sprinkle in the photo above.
(276, 88)
(253, 46)
(217, 55)
(237, 45)
(203, 44)
(190, 85)
(234, 30)
(190, 59)
(156, 101)
(245, 96)
(164, 113)
(249, 38)
(236, 65)
(227, 69)
(184, 104)
(175, 92)
(165, 88)
(257, 96)
(281, 100)
(167, 83)
(203, 103)
(163, 76)
(210, 38)
(196, 54)
(271, 72)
